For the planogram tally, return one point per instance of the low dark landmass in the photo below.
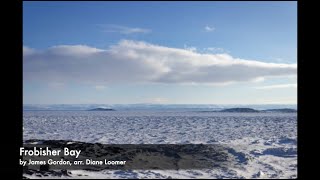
(250, 110)
(101, 109)
(239, 110)
(287, 110)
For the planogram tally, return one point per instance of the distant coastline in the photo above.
(156, 107)
(250, 110)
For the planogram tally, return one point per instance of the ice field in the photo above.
(267, 141)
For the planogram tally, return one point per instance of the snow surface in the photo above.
(265, 144)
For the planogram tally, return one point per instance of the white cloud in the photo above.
(277, 86)
(124, 29)
(136, 61)
(208, 28)
(75, 50)
(190, 48)
(215, 50)
(27, 51)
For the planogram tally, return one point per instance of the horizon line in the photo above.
(161, 103)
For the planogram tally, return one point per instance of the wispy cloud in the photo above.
(56, 85)
(190, 48)
(27, 50)
(100, 87)
(158, 100)
(137, 61)
(215, 50)
(124, 29)
(278, 100)
(277, 86)
(208, 28)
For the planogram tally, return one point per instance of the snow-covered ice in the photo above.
(264, 144)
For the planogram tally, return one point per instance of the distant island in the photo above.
(250, 110)
(288, 110)
(239, 110)
(101, 109)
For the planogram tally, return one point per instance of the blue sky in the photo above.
(160, 52)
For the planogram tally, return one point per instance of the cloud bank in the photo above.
(136, 61)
